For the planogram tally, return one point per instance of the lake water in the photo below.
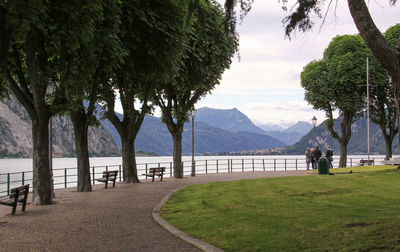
(25, 164)
(15, 172)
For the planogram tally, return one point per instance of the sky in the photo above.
(263, 82)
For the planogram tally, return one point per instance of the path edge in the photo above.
(178, 233)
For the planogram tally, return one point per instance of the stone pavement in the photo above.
(113, 219)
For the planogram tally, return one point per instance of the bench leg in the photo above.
(161, 177)
(23, 205)
(114, 182)
(153, 178)
(106, 183)
(14, 209)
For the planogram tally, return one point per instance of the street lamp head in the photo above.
(193, 112)
(51, 88)
(314, 120)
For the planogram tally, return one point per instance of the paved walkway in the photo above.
(114, 219)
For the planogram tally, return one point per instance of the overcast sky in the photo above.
(265, 83)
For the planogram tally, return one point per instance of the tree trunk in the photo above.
(79, 120)
(388, 150)
(41, 169)
(343, 154)
(397, 103)
(346, 135)
(129, 159)
(178, 168)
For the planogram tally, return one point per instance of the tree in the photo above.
(382, 108)
(335, 83)
(30, 40)
(151, 35)
(387, 54)
(98, 52)
(209, 48)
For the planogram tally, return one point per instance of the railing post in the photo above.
(217, 165)
(120, 171)
(296, 164)
(93, 175)
(351, 162)
(253, 163)
(8, 184)
(106, 168)
(170, 169)
(285, 164)
(274, 164)
(242, 165)
(23, 178)
(65, 178)
(263, 165)
(146, 169)
(206, 167)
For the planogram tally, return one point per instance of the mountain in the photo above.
(16, 134)
(300, 127)
(228, 119)
(358, 141)
(155, 137)
(292, 134)
(287, 137)
(235, 121)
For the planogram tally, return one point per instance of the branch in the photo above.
(382, 50)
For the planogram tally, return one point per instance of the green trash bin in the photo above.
(323, 166)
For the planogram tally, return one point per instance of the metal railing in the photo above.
(67, 177)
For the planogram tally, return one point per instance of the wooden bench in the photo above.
(157, 171)
(108, 176)
(366, 161)
(17, 195)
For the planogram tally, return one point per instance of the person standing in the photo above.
(318, 155)
(329, 155)
(308, 158)
(312, 158)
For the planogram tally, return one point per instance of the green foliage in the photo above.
(208, 49)
(5, 154)
(392, 35)
(308, 213)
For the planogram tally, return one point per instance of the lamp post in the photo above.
(193, 163)
(314, 122)
(51, 88)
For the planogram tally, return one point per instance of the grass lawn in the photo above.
(344, 212)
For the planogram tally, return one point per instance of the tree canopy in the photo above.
(209, 48)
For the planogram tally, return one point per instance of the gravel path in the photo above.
(113, 219)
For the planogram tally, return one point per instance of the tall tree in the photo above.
(383, 108)
(387, 54)
(209, 48)
(336, 83)
(151, 35)
(97, 53)
(31, 38)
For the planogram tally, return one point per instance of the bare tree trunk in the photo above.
(79, 119)
(343, 154)
(129, 159)
(178, 169)
(346, 135)
(41, 169)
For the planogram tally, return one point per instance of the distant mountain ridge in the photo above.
(155, 137)
(228, 119)
(235, 121)
(358, 141)
(16, 134)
